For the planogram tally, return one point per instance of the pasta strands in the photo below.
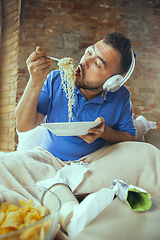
(67, 72)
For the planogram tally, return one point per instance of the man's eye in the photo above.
(89, 53)
(96, 64)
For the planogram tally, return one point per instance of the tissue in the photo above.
(89, 209)
(72, 175)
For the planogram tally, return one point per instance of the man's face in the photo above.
(98, 63)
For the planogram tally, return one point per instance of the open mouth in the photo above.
(78, 72)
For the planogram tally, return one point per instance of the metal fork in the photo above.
(56, 59)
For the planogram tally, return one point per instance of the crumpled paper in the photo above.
(72, 175)
(89, 209)
(136, 198)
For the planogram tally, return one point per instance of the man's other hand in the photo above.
(94, 133)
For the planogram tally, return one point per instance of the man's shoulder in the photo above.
(121, 93)
(53, 78)
(124, 89)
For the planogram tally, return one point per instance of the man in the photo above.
(106, 58)
(128, 160)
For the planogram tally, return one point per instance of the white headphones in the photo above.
(114, 83)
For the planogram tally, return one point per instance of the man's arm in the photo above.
(108, 134)
(114, 136)
(27, 116)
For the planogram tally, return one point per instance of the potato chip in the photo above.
(42, 234)
(27, 204)
(41, 210)
(31, 217)
(28, 234)
(13, 218)
(4, 207)
(12, 208)
(2, 216)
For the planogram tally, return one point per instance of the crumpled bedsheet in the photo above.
(133, 162)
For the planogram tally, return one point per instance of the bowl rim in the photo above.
(2, 236)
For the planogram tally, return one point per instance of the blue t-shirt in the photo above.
(116, 109)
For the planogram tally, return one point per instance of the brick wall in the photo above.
(8, 73)
(66, 28)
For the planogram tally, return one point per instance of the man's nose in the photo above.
(86, 61)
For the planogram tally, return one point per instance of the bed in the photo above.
(116, 221)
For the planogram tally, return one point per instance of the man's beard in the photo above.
(87, 87)
(84, 85)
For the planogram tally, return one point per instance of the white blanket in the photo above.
(133, 162)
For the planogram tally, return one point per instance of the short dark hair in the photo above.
(122, 44)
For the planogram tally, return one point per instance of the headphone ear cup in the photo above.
(113, 83)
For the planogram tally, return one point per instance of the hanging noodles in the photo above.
(67, 72)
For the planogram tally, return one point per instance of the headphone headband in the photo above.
(131, 68)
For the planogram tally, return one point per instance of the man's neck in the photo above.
(89, 94)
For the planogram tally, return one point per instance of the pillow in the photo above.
(30, 139)
(143, 125)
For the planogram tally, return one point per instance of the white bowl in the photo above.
(70, 128)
